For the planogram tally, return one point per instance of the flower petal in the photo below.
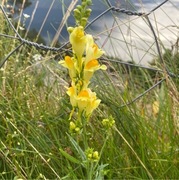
(78, 41)
(87, 101)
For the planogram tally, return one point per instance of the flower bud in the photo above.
(76, 11)
(77, 129)
(95, 155)
(89, 2)
(83, 21)
(77, 14)
(70, 29)
(108, 123)
(72, 125)
(83, 4)
(88, 12)
(79, 7)
(90, 156)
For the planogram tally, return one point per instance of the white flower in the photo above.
(37, 57)
(26, 16)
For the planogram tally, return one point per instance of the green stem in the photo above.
(90, 171)
(89, 164)
(104, 144)
(84, 123)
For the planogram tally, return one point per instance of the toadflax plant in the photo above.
(81, 67)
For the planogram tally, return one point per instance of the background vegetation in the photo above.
(34, 111)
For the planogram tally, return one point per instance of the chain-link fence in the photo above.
(131, 40)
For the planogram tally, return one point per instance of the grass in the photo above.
(34, 111)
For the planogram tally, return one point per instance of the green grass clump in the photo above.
(34, 111)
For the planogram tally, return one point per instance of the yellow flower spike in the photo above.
(78, 41)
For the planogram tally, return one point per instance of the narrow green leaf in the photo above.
(69, 157)
(77, 147)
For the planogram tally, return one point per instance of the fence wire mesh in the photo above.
(146, 17)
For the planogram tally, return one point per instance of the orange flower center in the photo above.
(84, 94)
(91, 64)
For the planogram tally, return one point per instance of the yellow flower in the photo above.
(72, 93)
(92, 50)
(78, 41)
(69, 63)
(87, 101)
(92, 64)
(90, 68)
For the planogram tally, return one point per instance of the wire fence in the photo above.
(113, 9)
